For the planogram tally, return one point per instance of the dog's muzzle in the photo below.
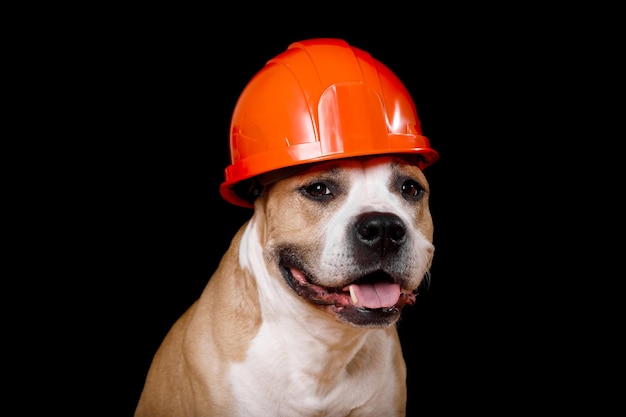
(374, 295)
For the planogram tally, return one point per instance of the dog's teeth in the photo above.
(353, 295)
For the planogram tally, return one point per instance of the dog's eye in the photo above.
(412, 189)
(318, 189)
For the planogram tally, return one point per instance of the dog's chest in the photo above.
(287, 373)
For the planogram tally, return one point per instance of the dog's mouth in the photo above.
(371, 300)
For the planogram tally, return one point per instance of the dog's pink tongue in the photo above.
(382, 294)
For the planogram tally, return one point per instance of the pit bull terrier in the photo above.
(300, 317)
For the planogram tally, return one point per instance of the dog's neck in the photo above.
(321, 349)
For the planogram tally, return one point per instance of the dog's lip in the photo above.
(364, 293)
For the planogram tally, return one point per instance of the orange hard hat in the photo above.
(321, 99)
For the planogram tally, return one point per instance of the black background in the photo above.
(151, 99)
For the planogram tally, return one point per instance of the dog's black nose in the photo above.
(380, 232)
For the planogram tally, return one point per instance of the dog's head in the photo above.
(351, 237)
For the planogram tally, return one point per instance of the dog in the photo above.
(300, 317)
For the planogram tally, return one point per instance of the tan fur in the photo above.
(179, 380)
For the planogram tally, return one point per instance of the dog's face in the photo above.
(351, 237)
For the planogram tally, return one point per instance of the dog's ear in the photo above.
(253, 188)
(249, 190)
